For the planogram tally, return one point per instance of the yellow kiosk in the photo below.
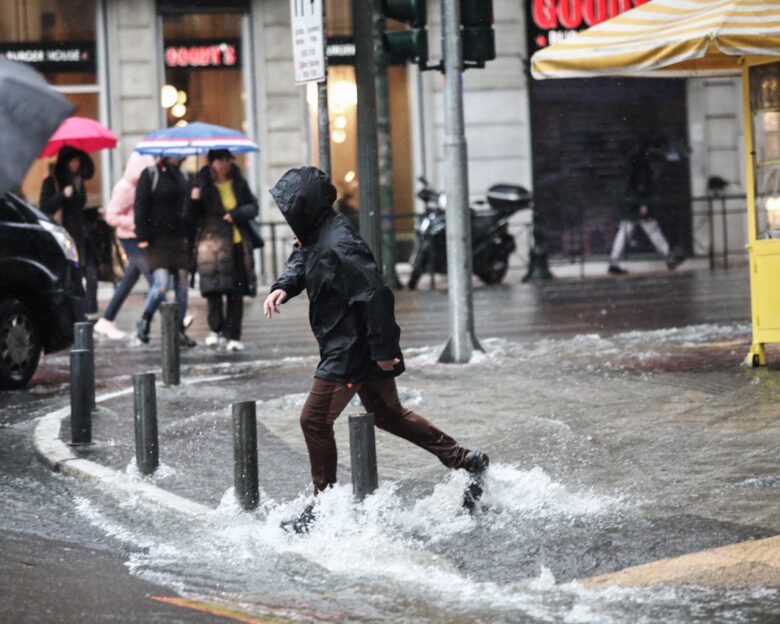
(679, 38)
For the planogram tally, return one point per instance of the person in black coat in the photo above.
(161, 229)
(637, 206)
(64, 198)
(220, 209)
(351, 314)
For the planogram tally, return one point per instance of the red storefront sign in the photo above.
(216, 54)
(553, 20)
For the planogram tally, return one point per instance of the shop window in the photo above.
(203, 72)
(58, 39)
(765, 108)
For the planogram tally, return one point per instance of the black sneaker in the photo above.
(185, 340)
(142, 328)
(477, 463)
(672, 263)
(301, 524)
(614, 269)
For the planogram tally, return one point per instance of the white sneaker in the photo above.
(92, 316)
(212, 340)
(187, 321)
(107, 328)
(235, 345)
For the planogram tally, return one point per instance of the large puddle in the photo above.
(606, 453)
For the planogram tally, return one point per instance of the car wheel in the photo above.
(20, 344)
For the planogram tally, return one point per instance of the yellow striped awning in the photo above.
(675, 37)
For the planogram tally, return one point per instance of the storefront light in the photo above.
(181, 97)
(340, 122)
(178, 110)
(343, 94)
(181, 122)
(339, 136)
(349, 177)
(168, 96)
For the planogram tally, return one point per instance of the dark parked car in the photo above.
(40, 294)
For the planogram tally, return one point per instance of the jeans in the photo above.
(327, 399)
(90, 272)
(136, 267)
(163, 281)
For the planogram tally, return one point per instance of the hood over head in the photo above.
(305, 196)
(66, 153)
(135, 166)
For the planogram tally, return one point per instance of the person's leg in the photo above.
(129, 279)
(181, 290)
(235, 299)
(160, 285)
(326, 400)
(91, 273)
(656, 236)
(381, 399)
(623, 234)
(216, 318)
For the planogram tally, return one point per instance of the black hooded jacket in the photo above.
(350, 308)
(53, 198)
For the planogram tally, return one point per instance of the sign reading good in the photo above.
(551, 21)
(203, 54)
(308, 40)
(53, 57)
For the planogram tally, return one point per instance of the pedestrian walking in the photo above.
(64, 198)
(221, 209)
(161, 230)
(351, 312)
(637, 207)
(120, 214)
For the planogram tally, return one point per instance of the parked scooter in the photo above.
(491, 242)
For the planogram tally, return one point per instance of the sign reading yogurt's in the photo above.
(203, 54)
(552, 21)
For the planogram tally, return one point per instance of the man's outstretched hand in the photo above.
(273, 301)
(388, 365)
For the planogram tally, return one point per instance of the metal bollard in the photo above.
(80, 414)
(362, 445)
(147, 454)
(245, 454)
(171, 359)
(85, 340)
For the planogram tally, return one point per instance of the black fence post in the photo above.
(171, 359)
(147, 453)
(245, 473)
(725, 225)
(362, 444)
(80, 412)
(84, 340)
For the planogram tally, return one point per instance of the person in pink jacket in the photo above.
(121, 216)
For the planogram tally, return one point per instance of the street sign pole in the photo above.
(368, 164)
(307, 20)
(462, 337)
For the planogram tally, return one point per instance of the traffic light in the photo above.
(402, 46)
(479, 39)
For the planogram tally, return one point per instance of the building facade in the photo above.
(137, 65)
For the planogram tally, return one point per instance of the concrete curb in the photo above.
(58, 456)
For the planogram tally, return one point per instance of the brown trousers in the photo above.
(327, 399)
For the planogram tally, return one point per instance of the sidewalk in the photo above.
(624, 434)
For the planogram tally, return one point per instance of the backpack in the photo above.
(154, 173)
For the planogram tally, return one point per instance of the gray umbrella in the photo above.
(30, 112)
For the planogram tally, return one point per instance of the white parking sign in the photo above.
(308, 40)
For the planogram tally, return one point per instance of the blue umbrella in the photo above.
(195, 138)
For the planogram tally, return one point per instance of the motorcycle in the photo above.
(491, 242)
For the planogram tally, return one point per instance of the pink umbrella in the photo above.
(82, 133)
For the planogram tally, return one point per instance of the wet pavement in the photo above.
(621, 428)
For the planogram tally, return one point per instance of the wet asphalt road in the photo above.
(56, 563)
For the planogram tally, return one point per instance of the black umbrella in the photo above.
(30, 112)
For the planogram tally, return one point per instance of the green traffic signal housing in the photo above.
(402, 46)
(479, 38)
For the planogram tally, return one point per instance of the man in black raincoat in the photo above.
(351, 315)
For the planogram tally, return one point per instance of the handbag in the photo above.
(253, 234)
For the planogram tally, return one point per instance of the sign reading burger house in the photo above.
(554, 20)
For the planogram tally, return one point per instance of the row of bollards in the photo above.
(147, 457)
